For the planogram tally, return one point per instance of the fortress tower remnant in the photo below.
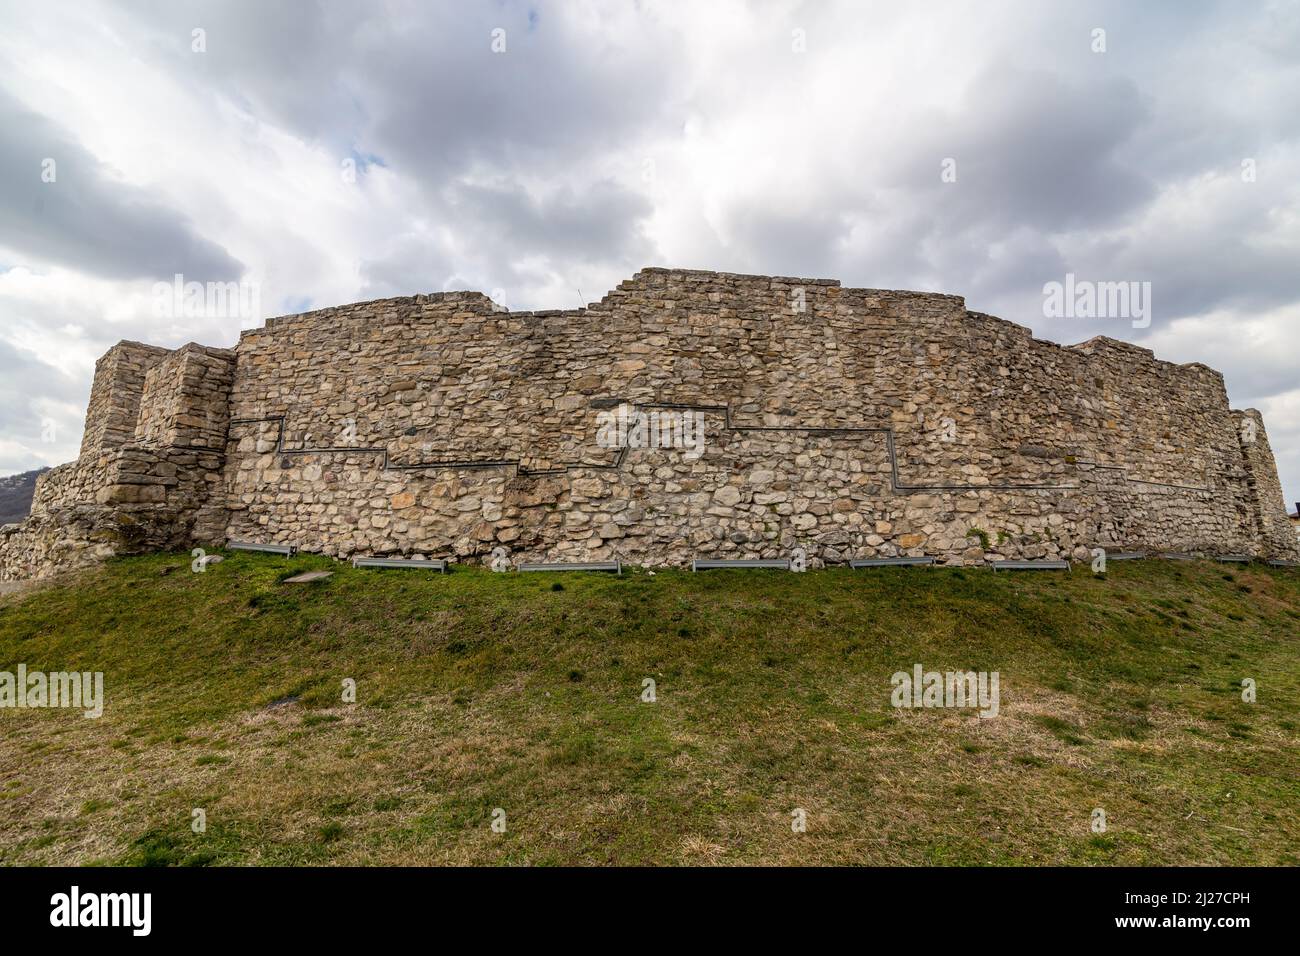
(848, 422)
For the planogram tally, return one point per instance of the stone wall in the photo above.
(186, 399)
(152, 455)
(115, 395)
(849, 422)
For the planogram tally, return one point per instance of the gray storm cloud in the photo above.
(59, 204)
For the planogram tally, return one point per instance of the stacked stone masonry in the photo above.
(848, 422)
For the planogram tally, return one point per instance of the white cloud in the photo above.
(610, 137)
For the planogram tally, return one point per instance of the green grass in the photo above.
(478, 692)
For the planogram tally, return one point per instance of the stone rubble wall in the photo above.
(115, 395)
(849, 422)
(152, 456)
(1263, 499)
(185, 399)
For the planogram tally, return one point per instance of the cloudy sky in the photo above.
(327, 152)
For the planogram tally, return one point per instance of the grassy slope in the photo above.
(478, 691)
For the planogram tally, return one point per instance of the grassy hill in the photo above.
(478, 691)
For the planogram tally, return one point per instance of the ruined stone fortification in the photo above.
(849, 422)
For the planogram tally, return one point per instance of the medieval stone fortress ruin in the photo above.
(751, 416)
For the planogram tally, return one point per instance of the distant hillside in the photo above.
(16, 495)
